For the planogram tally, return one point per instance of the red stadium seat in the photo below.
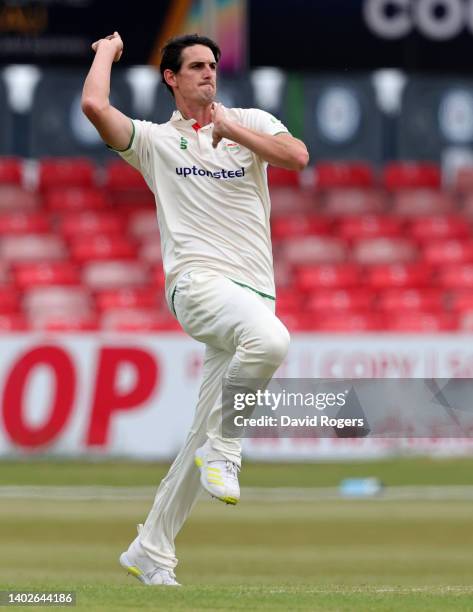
(102, 247)
(415, 322)
(314, 250)
(150, 251)
(288, 300)
(288, 200)
(280, 177)
(63, 322)
(298, 321)
(461, 301)
(421, 202)
(299, 224)
(143, 223)
(15, 199)
(372, 251)
(402, 300)
(51, 300)
(439, 227)
(120, 176)
(13, 323)
(32, 247)
(65, 172)
(10, 171)
(136, 320)
(408, 175)
(369, 226)
(348, 322)
(398, 275)
(23, 223)
(4, 272)
(9, 302)
(45, 274)
(101, 275)
(91, 222)
(354, 202)
(61, 199)
(441, 252)
(332, 300)
(332, 276)
(329, 175)
(456, 276)
(131, 297)
(463, 180)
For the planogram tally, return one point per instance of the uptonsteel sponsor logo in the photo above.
(218, 174)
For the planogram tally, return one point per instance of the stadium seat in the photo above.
(59, 199)
(329, 175)
(287, 200)
(4, 272)
(32, 247)
(63, 322)
(440, 252)
(23, 223)
(333, 300)
(288, 300)
(415, 322)
(13, 323)
(408, 175)
(353, 202)
(421, 202)
(372, 251)
(57, 299)
(136, 320)
(463, 180)
(280, 177)
(131, 297)
(101, 275)
(461, 301)
(65, 172)
(299, 224)
(439, 227)
(465, 322)
(121, 176)
(394, 301)
(455, 276)
(45, 274)
(369, 226)
(9, 302)
(331, 276)
(15, 199)
(384, 276)
(74, 224)
(150, 251)
(143, 223)
(298, 321)
(314, 249)
(101, 247)
(10, 171)
(349, 322)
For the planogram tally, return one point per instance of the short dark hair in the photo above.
(172, 52)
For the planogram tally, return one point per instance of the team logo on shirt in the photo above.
(184, 143)
(233, 147)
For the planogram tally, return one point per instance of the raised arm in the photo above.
(282, 150)
(114, 127)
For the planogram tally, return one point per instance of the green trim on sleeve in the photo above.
(129, 144)
(265, 295)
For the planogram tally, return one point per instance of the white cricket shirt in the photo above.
(213, 205)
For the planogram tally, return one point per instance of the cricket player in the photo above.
(207, 169)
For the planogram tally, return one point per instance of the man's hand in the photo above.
(115, 40)
(221, 123)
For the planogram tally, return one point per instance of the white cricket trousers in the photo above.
(244, 340)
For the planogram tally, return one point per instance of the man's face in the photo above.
(196, 81)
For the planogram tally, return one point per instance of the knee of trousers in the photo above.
(274, 345)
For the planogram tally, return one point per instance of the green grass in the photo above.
(346, 555)
(393, 472)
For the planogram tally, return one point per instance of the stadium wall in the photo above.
(133, 396)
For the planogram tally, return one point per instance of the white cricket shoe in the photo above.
(138, 564)
(218, 477)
